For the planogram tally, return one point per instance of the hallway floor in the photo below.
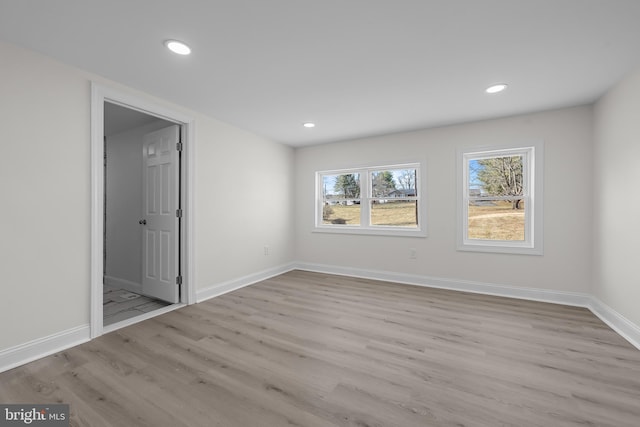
(120, 304)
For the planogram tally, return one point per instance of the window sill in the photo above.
(372, 231)
(499, 248)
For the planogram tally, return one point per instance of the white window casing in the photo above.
(366, 200)
(531, 195)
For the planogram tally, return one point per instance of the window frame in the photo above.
(532, 162)
(365, 227)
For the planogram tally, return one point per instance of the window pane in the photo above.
(353, 199)
(393, 183)
(496, 176)
(341, 187)
(341, 212)
(496, 220)
(341, 199)
(397, 213)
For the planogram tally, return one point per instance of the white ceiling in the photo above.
(354, 67)
(119, 119)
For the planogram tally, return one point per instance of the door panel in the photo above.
(150, 258)
(160, 202)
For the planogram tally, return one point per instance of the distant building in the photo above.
(403, 192)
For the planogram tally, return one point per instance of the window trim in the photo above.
(365, 227)
(533, 155)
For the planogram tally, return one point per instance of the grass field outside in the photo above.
(492, 221)
(395, 214)
(341, 214)
(496, 221)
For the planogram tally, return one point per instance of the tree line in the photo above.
(383, 183)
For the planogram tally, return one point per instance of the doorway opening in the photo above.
(131, 185)
(141, 218)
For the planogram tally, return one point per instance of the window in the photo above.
(372, 200)
(500, 200)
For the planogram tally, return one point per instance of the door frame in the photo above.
(99, 95)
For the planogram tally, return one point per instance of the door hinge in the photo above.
(179, 146)
(179, 213)
(178, 280)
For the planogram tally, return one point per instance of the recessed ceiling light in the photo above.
(496, 88)
(177, 47)
(309, 125)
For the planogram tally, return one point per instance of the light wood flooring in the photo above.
(309, 349)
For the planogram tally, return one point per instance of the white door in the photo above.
(159, 214)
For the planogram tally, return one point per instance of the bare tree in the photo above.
(502, 176)
(407, 179)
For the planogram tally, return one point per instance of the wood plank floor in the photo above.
(309, 349)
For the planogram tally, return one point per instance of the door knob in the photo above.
(142, 222)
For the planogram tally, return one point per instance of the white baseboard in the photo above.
(241, 282)
(41, 347)
(28, 352)
(625, 328)
(119, 283)
(36, 349)
(533, 294)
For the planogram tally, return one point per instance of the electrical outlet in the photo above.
(266, 250)
(413, 253)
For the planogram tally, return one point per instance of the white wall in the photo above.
(241, 198)
(249, 194)
(44, 186)
(243, 204)
(124, 205)
(565, 265)
(616, 201)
